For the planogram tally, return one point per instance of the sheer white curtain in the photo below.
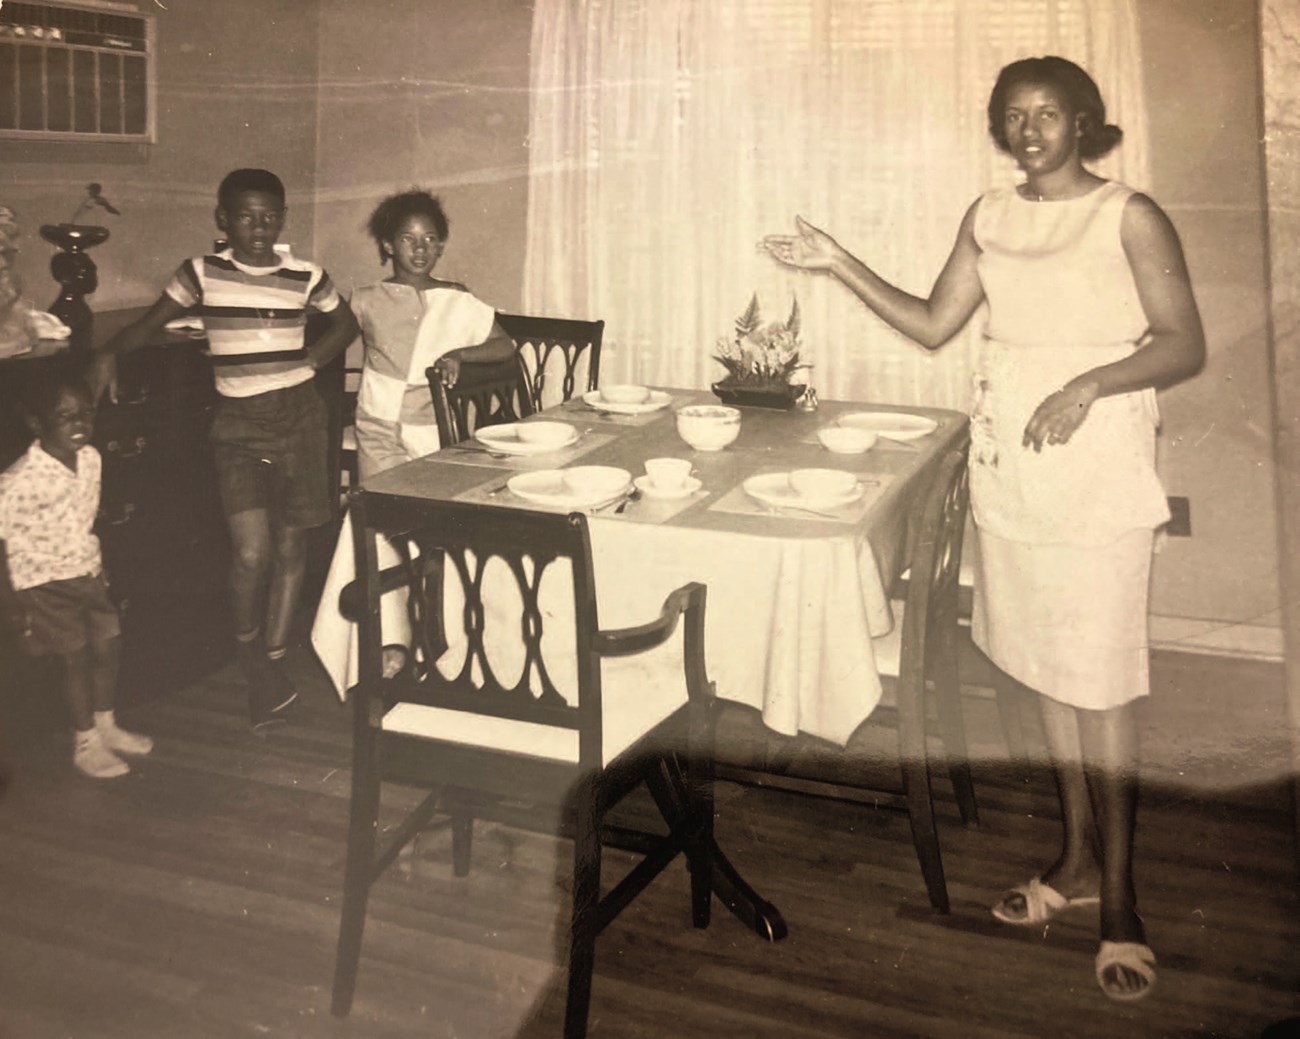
(667, 136)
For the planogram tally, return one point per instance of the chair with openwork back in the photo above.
(553, 347)
(481, 736)
(486, 393)
(917, 662)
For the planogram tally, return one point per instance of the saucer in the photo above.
(658, 399)
(774, 489)
(505, 439)
(892, 425)
(647, 488)
(547, 487)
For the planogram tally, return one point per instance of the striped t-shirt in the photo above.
(254, 317)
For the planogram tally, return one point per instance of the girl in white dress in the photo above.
(1090, 310)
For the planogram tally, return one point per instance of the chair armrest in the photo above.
(626, 642)
(350, 601)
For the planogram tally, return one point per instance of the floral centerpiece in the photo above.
(761, 359)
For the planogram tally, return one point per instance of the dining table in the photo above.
(796, 593)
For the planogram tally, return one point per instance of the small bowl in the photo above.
(594, 480)
(822, 483)
(708, 427)
(552, 434)
(624, 394)
(846, 440)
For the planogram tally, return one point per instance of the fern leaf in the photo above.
(748, 321)
(793, 323)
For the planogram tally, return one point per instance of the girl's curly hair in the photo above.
(395, 210)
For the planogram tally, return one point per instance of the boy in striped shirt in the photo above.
(269, 432)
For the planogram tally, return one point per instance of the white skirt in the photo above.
(1069, 621)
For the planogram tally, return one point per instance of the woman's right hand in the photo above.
(810, 249)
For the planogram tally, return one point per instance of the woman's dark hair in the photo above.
(1077, 90)
(395, 210)
(237, 181)
(40, 393)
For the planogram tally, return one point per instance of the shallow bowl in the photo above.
(592, 480)
(846, 440)
(708, 427)
(625, 394)
(552, 433)
(822, 483)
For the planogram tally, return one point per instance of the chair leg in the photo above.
(1008, 695)
(699, 805)
(362, 826)
(952, 727)
(586, 901)
(915, 768)
(925, 836)
(462, 832)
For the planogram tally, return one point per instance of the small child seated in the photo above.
(52, 586)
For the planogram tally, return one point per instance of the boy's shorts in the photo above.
(66, 615)
(271, 453)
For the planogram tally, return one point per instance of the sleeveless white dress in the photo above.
(1065, 534)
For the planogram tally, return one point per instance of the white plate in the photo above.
(646, 487)
(890, 424)
(505, 438)
(547, 487)
(775, 489)
(658, 399)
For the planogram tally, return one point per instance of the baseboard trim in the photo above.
(1217, 638)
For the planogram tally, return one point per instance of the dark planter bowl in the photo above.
(780, 398)
(74, 237)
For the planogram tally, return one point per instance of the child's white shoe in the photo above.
(92, 757)
(119, 739)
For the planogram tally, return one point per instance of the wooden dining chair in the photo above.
(479, 738)
(918, 666)
(551, 347)
(485, 394)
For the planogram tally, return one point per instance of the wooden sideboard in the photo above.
(166, 550)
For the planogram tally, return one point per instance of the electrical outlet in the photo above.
(1180, 518)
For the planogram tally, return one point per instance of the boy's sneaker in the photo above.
(94, 759)
(269, 693)
(124, 742)
(280, 685)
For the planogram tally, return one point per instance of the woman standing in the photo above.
(1090, 310)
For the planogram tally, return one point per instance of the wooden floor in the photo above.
(199, 897)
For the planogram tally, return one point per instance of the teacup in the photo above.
(668, 474)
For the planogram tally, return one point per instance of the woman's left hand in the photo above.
(1055, 420)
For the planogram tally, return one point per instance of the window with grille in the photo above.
(76, 71)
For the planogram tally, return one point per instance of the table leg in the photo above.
(669, 792)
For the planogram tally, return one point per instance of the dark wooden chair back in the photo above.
(484, 395)
(465, 540)
(935, 565)
(447, 731)
(554, 347)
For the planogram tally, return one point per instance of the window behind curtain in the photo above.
(669, 136)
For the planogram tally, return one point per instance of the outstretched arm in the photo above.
(931, 321)
(1174, 348)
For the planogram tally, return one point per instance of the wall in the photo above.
(364, 99)
(1202, 84)
(431, 93)
(236, 87)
